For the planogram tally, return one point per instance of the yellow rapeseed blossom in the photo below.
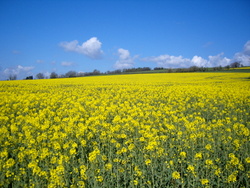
(147, 161)
(198, 156)
(108, 166)
(176, 175)
(232, 177)
(204, 181)
(126, 130)
(183, 154)
(247, 160)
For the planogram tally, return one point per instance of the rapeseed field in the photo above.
(148, 130)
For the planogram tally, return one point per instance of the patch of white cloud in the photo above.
(91, 48)
(244, 56)
(67, 64)
(207, 44)
(242, 59)
(19, 71)
(246, 49)
(169, 61)
(218, 60)
(16, 52)
(199, 61)
(125, 60)
(46, 74)
(39, 61)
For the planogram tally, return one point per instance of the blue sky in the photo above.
(63, 35)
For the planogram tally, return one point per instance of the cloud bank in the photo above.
(125, 60)
(91, 48)
(168, 61)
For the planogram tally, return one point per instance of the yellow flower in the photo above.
(232, 177)
(99, 178)
(204, 181)
(131, 147)
(81, 184)
(208, 147)
(136, 182)
(108, 166)
(247, 160)
(3, 153)
(190, 168)
(171, 163)
(198, 156)
(147, 161)
(217, 172)
(234, 160)
(72, 151)
(209, 162)
(9, 163)
(176, 175)
(183, 154)
(9, 174)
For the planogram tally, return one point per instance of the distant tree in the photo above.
(235, 65)
(181, 70)
(29, 78)
(53, 75)
(80, 74)
(96, 72)
(146, 69)
(40, 76)
(71, 74)
(169, 70)
(61, 76)
(193, 69)
(158, 68)
(12, 77)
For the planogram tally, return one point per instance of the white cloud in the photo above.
(244, 56)
(125, 60)
(169, 61)
(246, 50)
(16, 52)
(91, 48)
(19, 71)
(46, 74)
(208, 44)
(199, 61)
(39, 61)
(218, 60)
(67, 64)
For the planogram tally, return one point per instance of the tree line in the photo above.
(71, 74)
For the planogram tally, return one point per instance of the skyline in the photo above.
(46, 36)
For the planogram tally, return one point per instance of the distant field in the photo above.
(137, 130)
(240, 68)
